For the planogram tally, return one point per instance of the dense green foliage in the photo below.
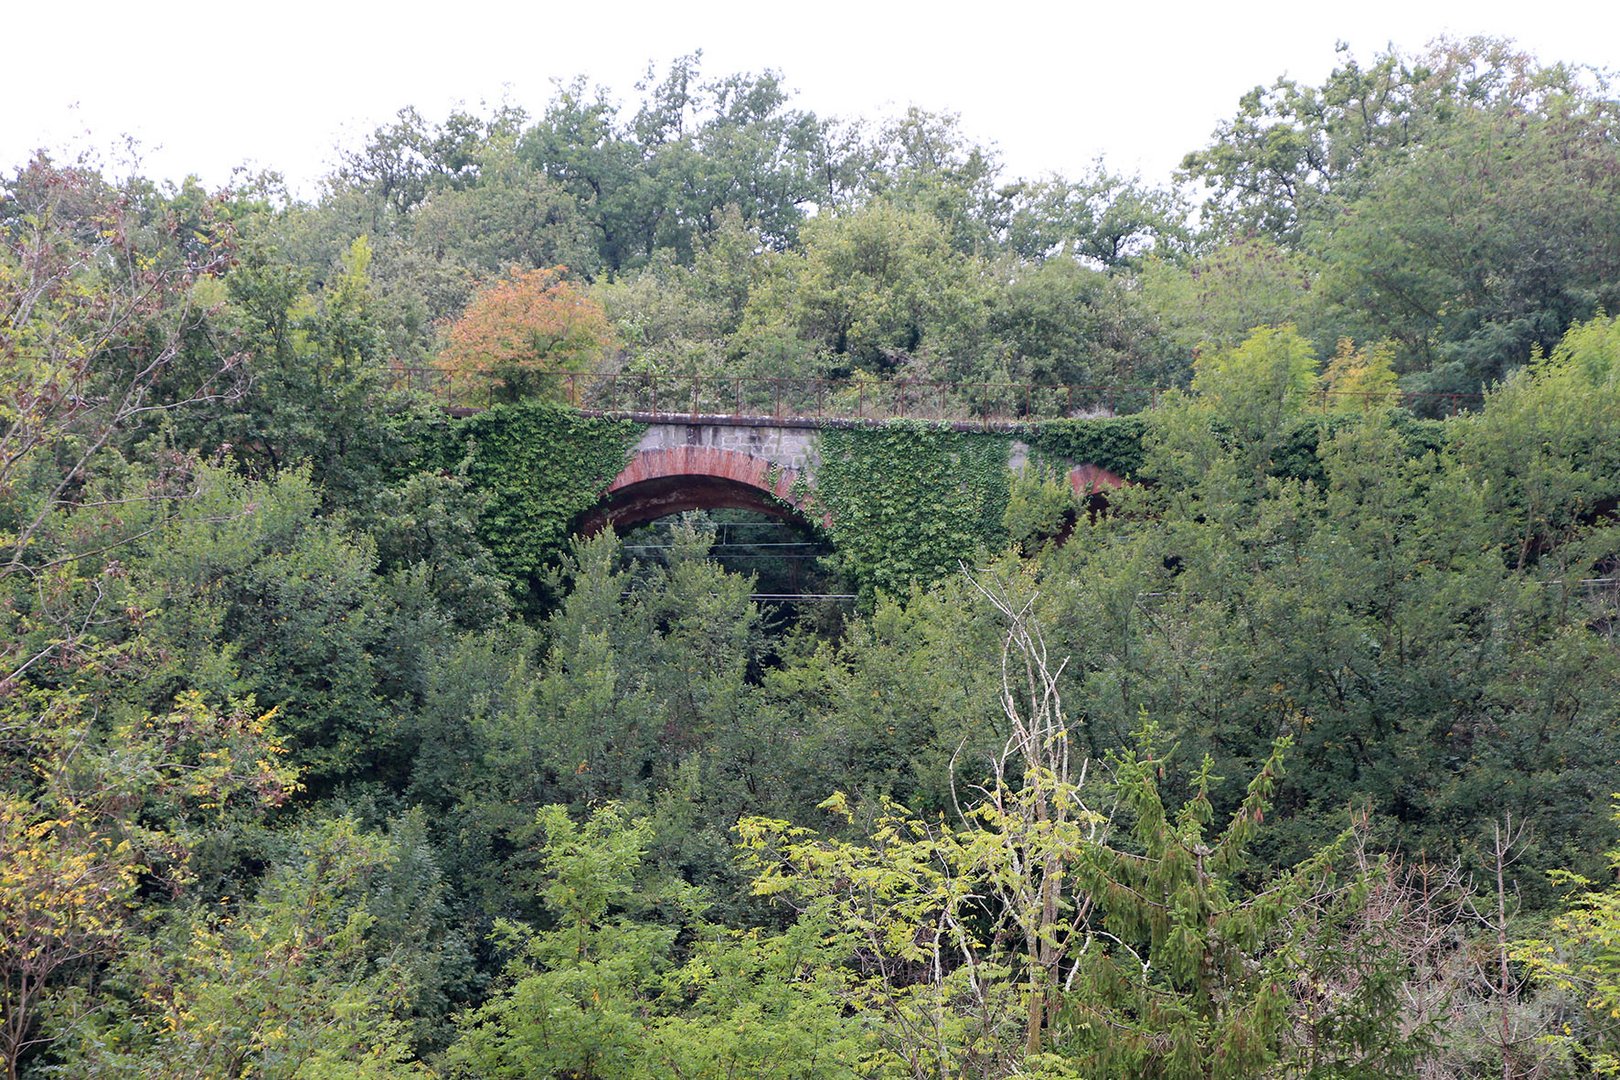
(540, 466)
(910, 499)
(1114, 443)
(327, 750)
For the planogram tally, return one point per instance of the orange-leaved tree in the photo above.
(519, 333)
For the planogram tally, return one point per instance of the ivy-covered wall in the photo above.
(910, 498)
(542, 465)
(1114, 443)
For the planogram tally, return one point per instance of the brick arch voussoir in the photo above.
(1088, 479)
(705, 465)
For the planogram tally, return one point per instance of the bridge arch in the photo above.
(670, 480)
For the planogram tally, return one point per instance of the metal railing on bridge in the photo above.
(831, 401)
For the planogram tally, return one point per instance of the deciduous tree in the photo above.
(518, 333)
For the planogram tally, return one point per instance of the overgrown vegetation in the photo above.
(327, 750)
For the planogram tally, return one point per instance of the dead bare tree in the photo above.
(1450, 938)
(1039, 815)
(1511, 1029)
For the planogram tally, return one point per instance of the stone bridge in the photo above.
(759, 465)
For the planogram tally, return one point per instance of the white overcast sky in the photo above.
(205, 87)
